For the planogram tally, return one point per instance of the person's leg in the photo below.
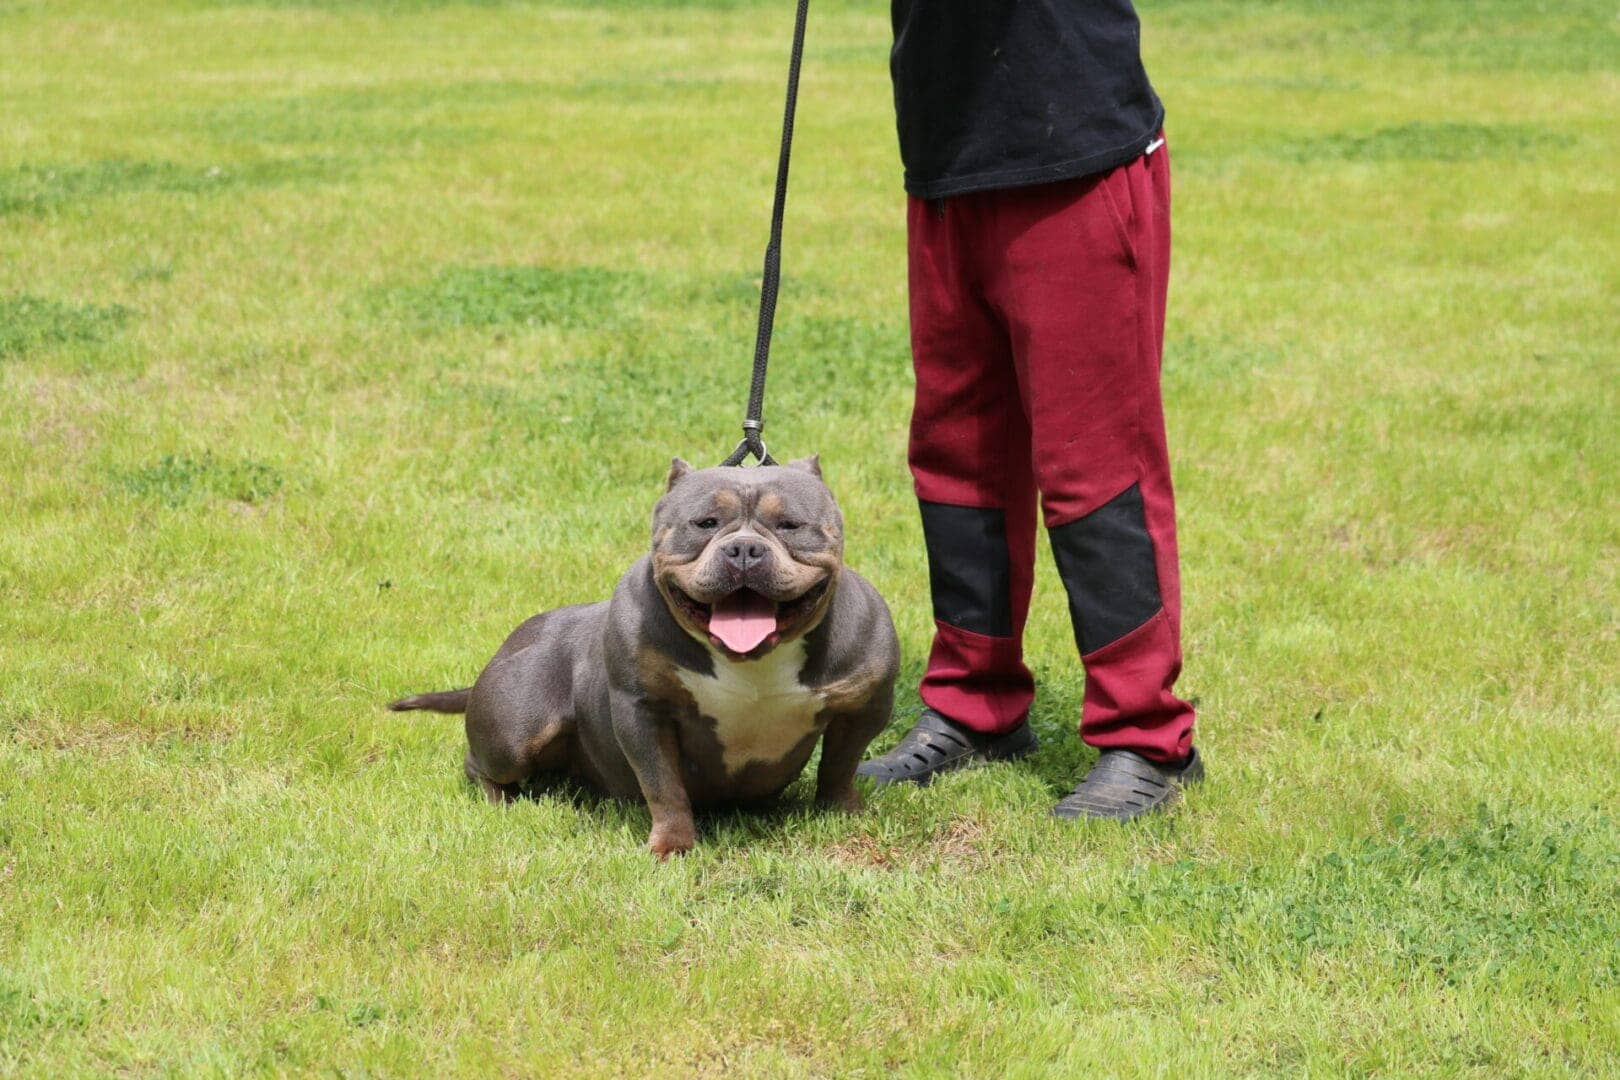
(970, 461)
(1082, 284)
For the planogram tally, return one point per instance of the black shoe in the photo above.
(938, 743)
(1123, 785)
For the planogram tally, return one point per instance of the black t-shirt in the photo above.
(1003, 93)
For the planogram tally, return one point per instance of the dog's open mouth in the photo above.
(744, 622)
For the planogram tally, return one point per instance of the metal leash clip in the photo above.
(752, 443)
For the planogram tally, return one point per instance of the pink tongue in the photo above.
(742, 620)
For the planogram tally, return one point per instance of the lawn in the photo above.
(336, 338)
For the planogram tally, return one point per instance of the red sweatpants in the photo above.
(1037, 327)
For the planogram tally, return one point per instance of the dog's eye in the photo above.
(707, 523)
(787, 526)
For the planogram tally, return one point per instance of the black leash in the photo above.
(754, 422)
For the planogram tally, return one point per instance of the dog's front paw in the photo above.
(671, 839)
(846, 801)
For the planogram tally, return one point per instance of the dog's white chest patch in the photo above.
(759, 708)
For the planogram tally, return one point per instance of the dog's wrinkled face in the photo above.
(747, 558)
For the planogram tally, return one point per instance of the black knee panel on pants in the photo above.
(969, 573)
(1106, 562)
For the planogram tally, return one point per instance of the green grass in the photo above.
(336, 338)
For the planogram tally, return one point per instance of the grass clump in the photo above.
(485, 297)
(30, 322)
(38, 189)
(175, 479)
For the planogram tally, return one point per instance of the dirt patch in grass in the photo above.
(865, 851)
(958, 841)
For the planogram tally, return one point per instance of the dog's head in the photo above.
(747, 558)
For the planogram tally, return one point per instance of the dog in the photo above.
(721, 658)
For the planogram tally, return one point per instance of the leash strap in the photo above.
(754, 422)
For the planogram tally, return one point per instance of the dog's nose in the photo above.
(744, 552)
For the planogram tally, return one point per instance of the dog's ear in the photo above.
(811, 465)
(678, 468)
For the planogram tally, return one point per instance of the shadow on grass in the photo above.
(720, 827)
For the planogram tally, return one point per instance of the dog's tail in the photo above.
(445, 701)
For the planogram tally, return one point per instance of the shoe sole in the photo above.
(1192, 774)
(991, 755)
